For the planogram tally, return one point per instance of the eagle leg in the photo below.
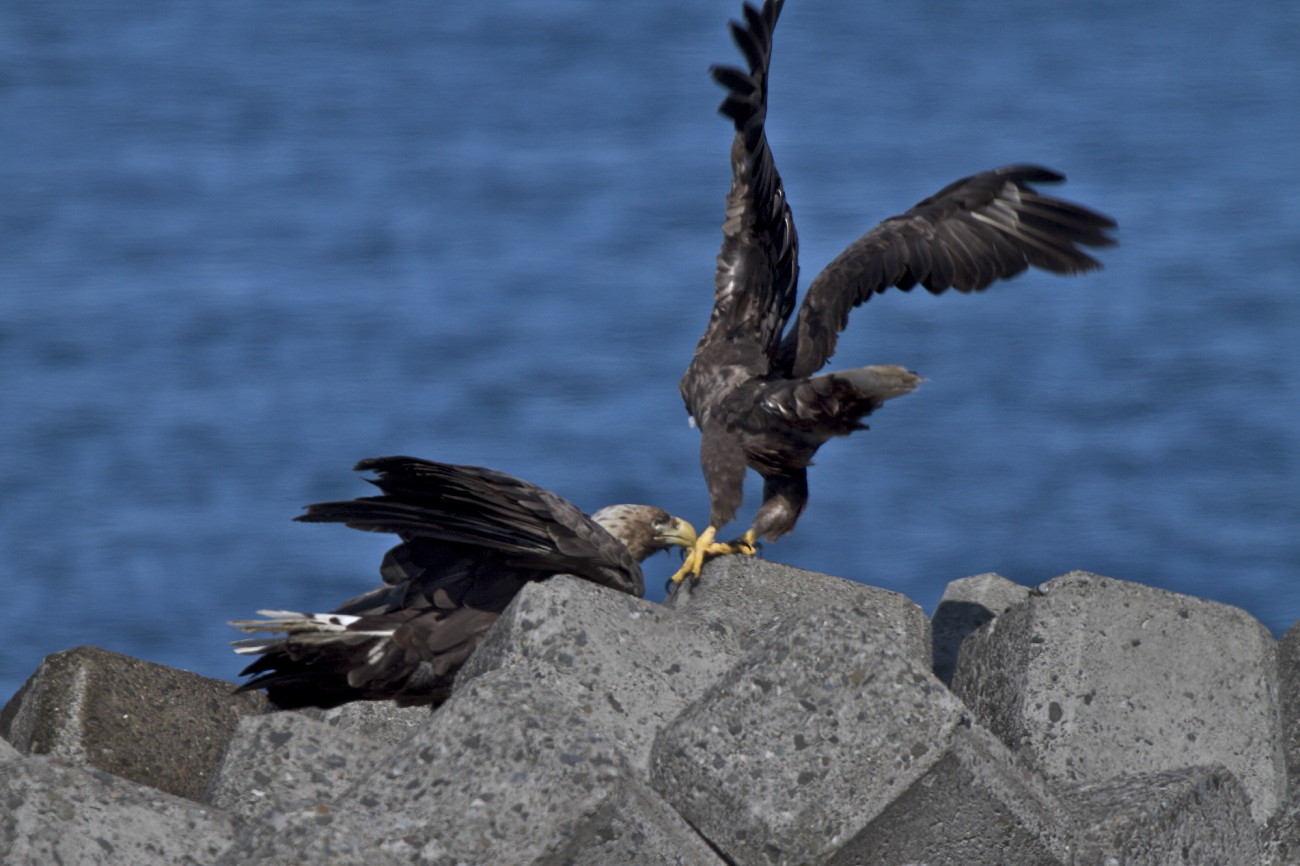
(705, 547)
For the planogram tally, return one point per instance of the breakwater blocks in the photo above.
(768, 716)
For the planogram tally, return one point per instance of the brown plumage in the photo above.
(471, 539)
(751, 387)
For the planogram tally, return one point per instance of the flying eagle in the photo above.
(751, 387)
(471, 539)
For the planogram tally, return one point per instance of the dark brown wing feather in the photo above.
(975, 231)
(415, 666)
(472, 538)
(757, 267)
(517, 524)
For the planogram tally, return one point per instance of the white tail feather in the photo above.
(302, 628)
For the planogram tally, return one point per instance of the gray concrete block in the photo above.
(1091, 678)
(507, 774)
(741, 594)
(975, 805)
(803, 751)
(1281, 838)
(1288, 668)
(55, 813)
(145, 722)
(627, 664)
(966, 605)
(1197, 815)
(382, 721)
(287, 761)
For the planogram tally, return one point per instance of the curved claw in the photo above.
(705, 547)
(746, 544)
(720, 548)
(694, 559)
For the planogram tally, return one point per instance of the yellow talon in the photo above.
(695, 557)
(746, 544)
(706, 547)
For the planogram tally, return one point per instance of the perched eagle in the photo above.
(471, 539)
(751, 387)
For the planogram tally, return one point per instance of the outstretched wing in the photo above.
(982, 228)
(519, 525)
(758, 265)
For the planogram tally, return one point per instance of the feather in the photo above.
(751, 384)
(472, 538)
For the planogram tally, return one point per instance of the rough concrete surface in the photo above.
(282, 760)
(806, 741)
(743, 595)
(382, 721)
(967, 604)
(626, 663)
(1091, 721)
(1177, 817)
(974, 805)
(1288, 652)
(510, 774)
(54, 813)
(145, 722)
(1091, 678)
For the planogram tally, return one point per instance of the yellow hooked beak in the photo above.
(679, 534)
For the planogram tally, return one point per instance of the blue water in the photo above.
(244, 244)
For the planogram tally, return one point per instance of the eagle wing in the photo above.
(514, 523)
(982, 228)
(757, 270)
(471, 539)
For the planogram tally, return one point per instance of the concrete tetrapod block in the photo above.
(382, 721)
(740, 595)
(55, 813)
(966, 605)
(142, 721)
(828, 744)
(1198, 815)
(627, 664)
(506, 774)
(1283, 848)
(1288, 667)
(287, 761)
(1091, 678)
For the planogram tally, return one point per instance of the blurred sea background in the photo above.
(245, 244)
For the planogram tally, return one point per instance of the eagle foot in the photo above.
(746, 544)
(705, 548)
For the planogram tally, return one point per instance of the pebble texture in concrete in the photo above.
(54, 813)
(762, 763)
(507, 774)
(382, 721)
(1093, 722)
(1288, 651)
(1194, 815)
(966, 605)
(744, 595)
(152, 724)
(626, 663)
(1091, 678)
(287, 760)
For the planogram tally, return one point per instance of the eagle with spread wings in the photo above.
(471, 539)
(752, 387)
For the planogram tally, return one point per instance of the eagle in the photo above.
(752, 387)
(471, 539)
